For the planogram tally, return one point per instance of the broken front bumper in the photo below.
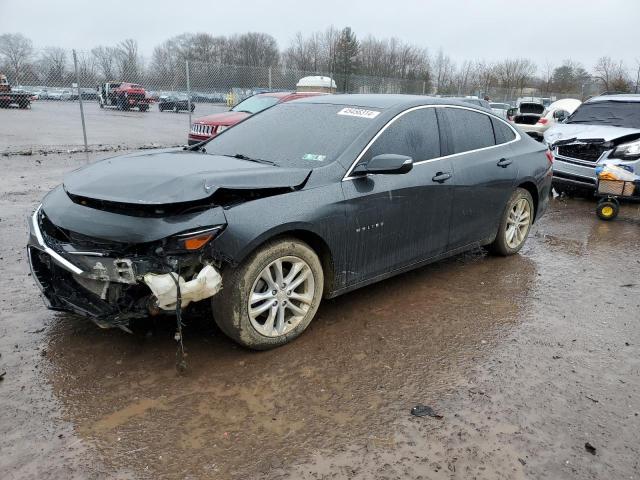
(110, 289)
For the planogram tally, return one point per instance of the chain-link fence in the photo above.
(97, 99)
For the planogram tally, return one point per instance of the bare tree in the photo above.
(16, 50)
(54, 62)
(128, 61)
(443, 70)
(612, 74)
(254, 50)
(105, 59)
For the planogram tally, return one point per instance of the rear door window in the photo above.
(470, 130)
(414, 134)
(502, 131)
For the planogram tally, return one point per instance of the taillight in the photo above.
(549, 156)
(543, 121)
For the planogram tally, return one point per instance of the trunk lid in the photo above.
(531, 108)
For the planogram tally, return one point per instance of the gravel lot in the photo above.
(527, 358)
(51, 125)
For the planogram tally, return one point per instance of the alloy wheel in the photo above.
(518, 223)
(281, 296)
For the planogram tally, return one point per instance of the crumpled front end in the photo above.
(114, 282)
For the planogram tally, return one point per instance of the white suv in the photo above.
(603, 127)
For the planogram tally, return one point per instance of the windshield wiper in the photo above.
(244, 111)
(240, 156)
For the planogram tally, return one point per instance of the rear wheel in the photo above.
(515, 224)
(143, 108)
(608, 209)
(272, 297)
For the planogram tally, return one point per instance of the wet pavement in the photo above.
(527, 358)
(53, 125)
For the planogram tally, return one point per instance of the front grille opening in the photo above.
(590, 152)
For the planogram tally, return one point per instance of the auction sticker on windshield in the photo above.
(314, 157)
(358, 112)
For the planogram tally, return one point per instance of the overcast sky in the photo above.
(542, 30)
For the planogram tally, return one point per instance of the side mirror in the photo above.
(560, 115)
(387, 163)
(512, 112)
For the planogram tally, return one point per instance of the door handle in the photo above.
(441, 177)
(504, 162)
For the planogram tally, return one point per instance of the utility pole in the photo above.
(84, 127)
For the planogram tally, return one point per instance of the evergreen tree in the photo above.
(346, 56)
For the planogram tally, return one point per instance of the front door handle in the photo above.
(504, 162)
(441, 177)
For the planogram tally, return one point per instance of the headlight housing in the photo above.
(193, 240)
(627, 151)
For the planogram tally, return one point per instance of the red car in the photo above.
(209, 126)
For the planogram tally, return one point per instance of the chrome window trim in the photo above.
(420, 162)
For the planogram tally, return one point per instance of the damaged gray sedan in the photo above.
(305, 200)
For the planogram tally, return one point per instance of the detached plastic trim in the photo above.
(63, 262)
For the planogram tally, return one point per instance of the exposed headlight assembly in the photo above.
(194, 239)
(627, 151)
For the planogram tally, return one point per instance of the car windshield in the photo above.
(295, 135)
(610, 112)
(255, 104)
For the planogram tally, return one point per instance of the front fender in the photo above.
(319, 211)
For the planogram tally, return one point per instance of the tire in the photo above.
(508, 242)
(101, 104)
(193, 107)
(143, 108)
(608, 209)
(231, 305)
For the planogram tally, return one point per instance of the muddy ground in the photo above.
(527, 358)
(58, 125)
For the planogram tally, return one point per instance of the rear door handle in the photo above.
(504, 162)
(441, 177)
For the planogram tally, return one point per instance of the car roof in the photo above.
(621, 97)
(384, 101)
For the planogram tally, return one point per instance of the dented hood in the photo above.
(581, 131)
(174, 176)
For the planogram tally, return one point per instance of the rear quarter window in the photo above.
(470, 130)
(502, 132)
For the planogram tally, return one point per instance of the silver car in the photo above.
(603, 127)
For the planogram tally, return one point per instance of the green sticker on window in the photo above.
(314, 157)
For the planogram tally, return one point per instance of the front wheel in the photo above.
(515, 224)
(271, 298)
